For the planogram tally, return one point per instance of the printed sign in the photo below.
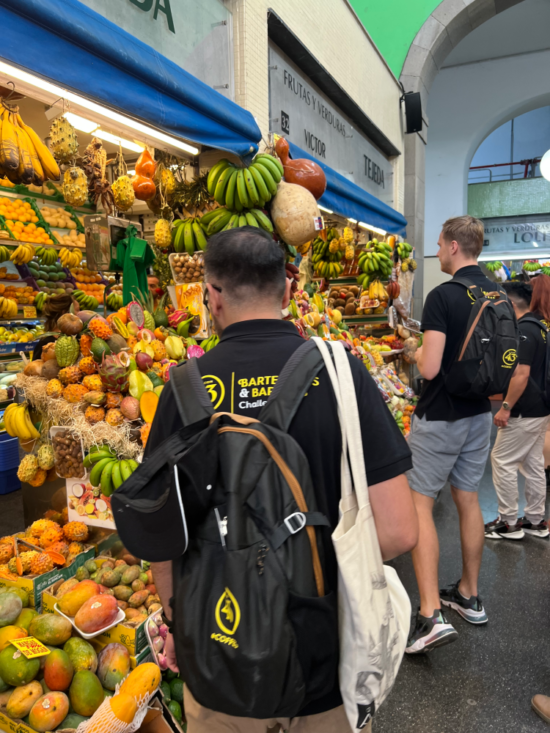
(516, 234)
(30, 647)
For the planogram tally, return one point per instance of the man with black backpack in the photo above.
(468, 353)
(238, 665)
(522, 422)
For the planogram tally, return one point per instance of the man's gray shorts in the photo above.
(454, 451)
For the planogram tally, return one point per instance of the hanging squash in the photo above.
(303, 172)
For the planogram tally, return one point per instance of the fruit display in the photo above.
(8, 307)
(142, 182)
(186, 235)
(304, 172)
(327, 254)
(20, 334)
(375, 262)
(86, 299)
(75, 186)
(68, 454)
(187, 268)
(248, 187)
(18, 211)
(171, 689)
(51, 279)
(64, 140)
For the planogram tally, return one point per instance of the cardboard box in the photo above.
(132, 637)
(16, 726)
(34, 585)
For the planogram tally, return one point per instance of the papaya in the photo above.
(86, 693)
(142, 681)
(122, 709)
(82, 654)
(113, 665)
(10, 608)
(22, 593)
(58, 670)
(22, 699)
(10, 632)
(25, 617)
(49, 628)
(49, 711)
(72, 721)
(66, 587)
(70, 603)
(97, 613)
(16, 669)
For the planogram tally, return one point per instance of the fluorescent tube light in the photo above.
(372, 229)
(116, 140)
(59, 92)
(80, 123)
(353, 221)
(324, 208)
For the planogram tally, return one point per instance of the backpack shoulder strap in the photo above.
(192, 399)
(293, 383)
(476, 291)
(535, 320)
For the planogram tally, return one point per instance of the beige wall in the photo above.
(334, 36)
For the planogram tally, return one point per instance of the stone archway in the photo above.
(448, 24)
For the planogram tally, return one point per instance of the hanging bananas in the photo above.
(376, 262)
(70, 259)
(493, 266)
(404, 249)
(8, 308)
(23, 254)
(188, 235)
(40, 301)
(326, 256)
(18, 423)
(209, 343)
(245, 188)
(5, 253)
(377, 291)
(222, 219)
(47, 255)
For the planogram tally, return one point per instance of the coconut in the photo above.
(294, 211)
(116, 343)
(69, 324)
(50, 369)
(130, 408)
(34, 368)
(48, 351)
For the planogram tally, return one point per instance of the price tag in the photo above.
(30, 647)
(318, 223)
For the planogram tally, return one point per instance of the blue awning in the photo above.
(347, 199)
(66, 42)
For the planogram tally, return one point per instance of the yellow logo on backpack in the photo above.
(509, 358)
(229, 608)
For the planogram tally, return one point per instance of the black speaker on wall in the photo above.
(413, 111)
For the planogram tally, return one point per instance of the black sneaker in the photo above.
(428, 633)
(499, 530)
(537, 530)
(471, 609)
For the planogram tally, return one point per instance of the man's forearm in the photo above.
(162, 575)
(517, 386)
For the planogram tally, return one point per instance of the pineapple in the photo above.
(94, 415)
(45, 457)
(93, 383)
(64, 142)
(87, 365)
(70, 375)
(54, 388)
(39, 478)
(114, 399)
(348, 235)
(51, 535)
(159, 349)
(100, 328)
(6, 552)
(75, 186)
(163, 234)
(114, 418)
(123, 192)
(350, 252)
(61, 547)
(75, 532)
(167, 181)
(74, 392)
(333, 246)
(27, 468)
(41, 564)
(86, 344)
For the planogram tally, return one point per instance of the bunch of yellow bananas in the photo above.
(8, 308)
(70, 259)
(46, 255)
(4, 253)
(23, 254)
(18, 422)
(377, 291)
(24, 157)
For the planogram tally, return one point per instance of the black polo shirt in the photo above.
(447, 309)
(240, 374)
(532, 351)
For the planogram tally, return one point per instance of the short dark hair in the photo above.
(520, 293)
(467, 231)
(247, 263)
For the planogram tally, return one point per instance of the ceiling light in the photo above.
(116, 140)
(80, 123)
(362, 224)
(59, 92)
(353, 221)
(324, 208)
(535, 244)
(545, 165)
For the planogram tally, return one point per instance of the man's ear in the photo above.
(287, 294)
(214, 300)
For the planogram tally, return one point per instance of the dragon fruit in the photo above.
(194, 351)
(175, 318)
(115, 372)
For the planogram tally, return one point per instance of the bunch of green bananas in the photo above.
(245, 188)
(106, 470)
(5, 253)
(493, 266)
(114, 301)
(188, 235)
(375, 262)
(531, 266)
(403, 250)
(40, 300)
(222, 219)
(86, 302)
(326, 263)
(47, 256)
(209, 343)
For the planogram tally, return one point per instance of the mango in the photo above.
(75, 598)
(43, 662)
(113, 666)
(4, 699)
(49, 711)
(82, 654)
(16, 669)
(49, 628)
(10, 608)
(22, 593)
(10, 632)
(25, 617)
(131, 574)
(86, 693)
(45, 688)
(22, 699)
(58, 671)
(66, 587)
(97, 613)
(72, 721)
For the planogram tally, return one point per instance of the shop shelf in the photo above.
(9, 481)
(9, 452)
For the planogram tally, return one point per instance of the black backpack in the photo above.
(545, 394)
(488, 354)
(255, 633)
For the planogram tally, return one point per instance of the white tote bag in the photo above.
(374, 609)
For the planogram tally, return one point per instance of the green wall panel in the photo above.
(393, 25)
(509, 198)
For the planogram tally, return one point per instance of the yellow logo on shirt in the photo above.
(509, 358)
(214, 387)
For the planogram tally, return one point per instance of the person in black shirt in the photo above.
(246, 288)
(522, 422)
(449, 440)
